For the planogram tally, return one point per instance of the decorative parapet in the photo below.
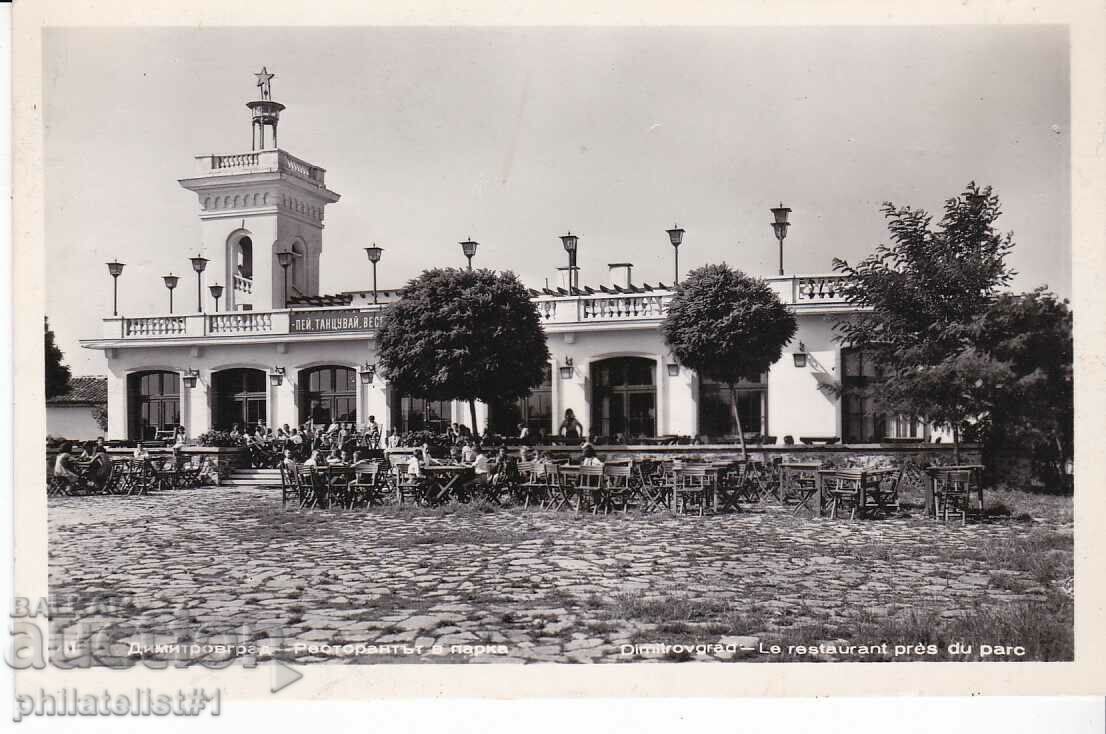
(260, 161)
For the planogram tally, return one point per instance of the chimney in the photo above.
(621, 274)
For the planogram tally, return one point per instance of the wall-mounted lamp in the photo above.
(367, 372)
(800, 356)
(566, 369)
(190, 376)
(276, 377)
(673, 369)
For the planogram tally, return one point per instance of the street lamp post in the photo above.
(216, 293)
(170, 283)
(780, 226)
(285, 259)
(115, 268)
(676, 237)
(199, 264)
(469, 248)
(374, 253)
(570, 242)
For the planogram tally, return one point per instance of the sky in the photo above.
(514, 136)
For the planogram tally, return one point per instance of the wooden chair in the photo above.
(590, 488)
(952, 491)
(693, 484)
(368, 487)
(619, 490)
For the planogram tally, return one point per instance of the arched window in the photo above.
(328, 395)
(153, 404)
(243, 258)
(299, 266)
(624, 397)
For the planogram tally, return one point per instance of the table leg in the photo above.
(819, 488)
(931, 507)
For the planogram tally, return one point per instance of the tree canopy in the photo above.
(463, 335)
(57, 373)
(727, 326)
(1025, 341)
(921, 298)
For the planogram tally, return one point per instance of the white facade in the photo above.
(75, 422)
(255, 205)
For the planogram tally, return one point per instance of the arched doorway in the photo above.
(327, 394)
(240, 396)
(153, 404)
(624, 397)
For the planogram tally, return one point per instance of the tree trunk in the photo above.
(737, 421)
(956, 444)
(472, 417)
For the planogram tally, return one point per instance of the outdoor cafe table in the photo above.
(865, 482)
(933, 473)
(444, 478)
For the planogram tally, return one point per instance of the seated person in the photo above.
(589, 458)
(100, 472)
(288, 463)
(414, 464)
(426, 458)
(468, 453)
(455, 454)
(316, 459)
(335, 457)
(65, 465)
(141, 453)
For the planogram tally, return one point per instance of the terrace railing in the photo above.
(261, 161)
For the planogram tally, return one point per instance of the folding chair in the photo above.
(693, 484)
(289, 484)
(952, 491)
(367, 488)
(590, 488)
(619, 490)
(731, 487)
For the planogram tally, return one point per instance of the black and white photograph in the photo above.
(500, 346)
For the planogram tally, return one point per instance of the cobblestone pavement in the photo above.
(510, 585)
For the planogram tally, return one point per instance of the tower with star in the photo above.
(261, 215)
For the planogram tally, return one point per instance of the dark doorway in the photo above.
(153, 404)
(624, 397)
(240, 396)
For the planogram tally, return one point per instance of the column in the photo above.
(117, 406)
(683, 402)
(375, 401)
(282, 401)
(196, 406)
(660, 413)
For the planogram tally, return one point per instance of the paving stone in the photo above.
(356, 576)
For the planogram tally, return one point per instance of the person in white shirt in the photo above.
(468, 453)
(590, 459)
(141, 453)
(414, 466)
(393, 438)
(480, 465)
(315, 460)
(335, 457)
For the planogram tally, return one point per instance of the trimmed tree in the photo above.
(919, 298)
(727, 326)
(57, 374)
(464, 335)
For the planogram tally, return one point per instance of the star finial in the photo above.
(263, 78)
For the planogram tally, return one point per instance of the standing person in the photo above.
(571, 429)
(372, 433)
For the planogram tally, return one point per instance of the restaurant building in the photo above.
(281, 351)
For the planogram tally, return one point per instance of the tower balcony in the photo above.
(272, 160)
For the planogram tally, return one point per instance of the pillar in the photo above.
(117, 406)
(196, 405)
(282, 401)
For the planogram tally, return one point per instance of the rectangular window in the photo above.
(716, 407)
(860, 421)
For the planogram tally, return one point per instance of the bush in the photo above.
(218, 439)
(438, 443)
